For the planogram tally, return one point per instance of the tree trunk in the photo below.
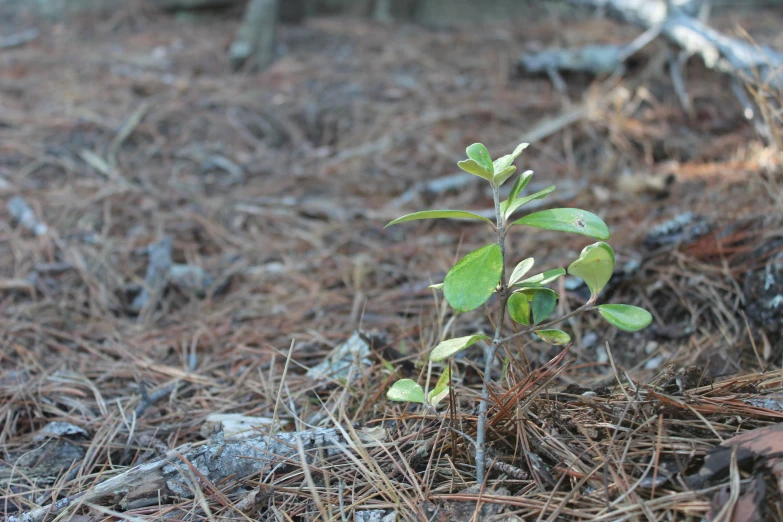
(255, 37)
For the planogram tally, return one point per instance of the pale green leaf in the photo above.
(406, 390)
(519, 308)
(626, 317)
(503, 175)
(472, 167)
(437, 397)
(594, 266)
(553, 336)
(474, 278)
(513, 205)
(436, 214)
(448, 348)
(441, 389)
(543, 278)
(531, 291)
(479, 153)
(504, 162)
(567, 220)
(522, 268)
(520, 184)
(544, 302)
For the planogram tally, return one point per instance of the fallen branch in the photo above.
(156, 277)
(214, 462)
(25, 216)
(543, 129)
(18, 39)
(719, 52)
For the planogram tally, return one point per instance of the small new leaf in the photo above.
(437, 214)
(520, 184)
(448, 348)
(519, 308)
(511, 206)
(567, 220)
(531, 291)
(594, 266)
(406, 390)
(479, 153)
(544, 302)
(504, 162)
(474, 278)
(625, 317)
(503, 175)
(472, 167)
(522, 268)
(553, 336)
(542, 279)
(441, 389)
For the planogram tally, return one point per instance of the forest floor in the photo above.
(129, 138)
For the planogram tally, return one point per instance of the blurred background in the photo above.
(188, 186)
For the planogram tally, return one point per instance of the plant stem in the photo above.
(584, 308)
(491, 350)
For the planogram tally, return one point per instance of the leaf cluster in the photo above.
(473, 280)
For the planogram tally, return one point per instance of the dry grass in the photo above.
(278, 185)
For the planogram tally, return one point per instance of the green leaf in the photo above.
(519, 308)
(567, 220)
(626, 317)
(474, 278)
(544, 302)
(436, 286)
(543, 278)
(520, 270)
(437, 397)
(441, 389)
(436, 214)
(520, 184)
(502, 176)
(448, 348)
(531, 291)
(406, 390)
(472, 167)
(513, 205)
(504, 162)
(479, 153)
(553, 336)
(595, 266)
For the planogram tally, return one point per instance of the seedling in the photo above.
(527, 300)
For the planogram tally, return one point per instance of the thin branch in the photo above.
(584, 308)
(491, 350)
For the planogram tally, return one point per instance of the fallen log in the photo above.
(255, 37)
(719, 52)
(189, 468)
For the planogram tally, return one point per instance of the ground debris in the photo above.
(346, 360)
(214, 462)
(682, 228)
(759, 451)
(763, 288)
(375, 515)
(155, 280)
(190, 278)
(57, 447)
(25, 216)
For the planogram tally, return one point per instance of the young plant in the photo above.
(527, 300)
